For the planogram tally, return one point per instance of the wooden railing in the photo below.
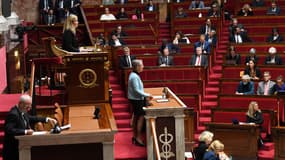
(154, 135)
(87, 26)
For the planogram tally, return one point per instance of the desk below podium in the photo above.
(86, 138)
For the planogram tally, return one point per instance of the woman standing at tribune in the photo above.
(137, 97)
(69, 40)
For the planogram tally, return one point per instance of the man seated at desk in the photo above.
(18, 123)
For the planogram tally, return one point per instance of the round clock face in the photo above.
(88, 77)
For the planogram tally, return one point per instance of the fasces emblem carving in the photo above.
(166, 139)
(87, 78)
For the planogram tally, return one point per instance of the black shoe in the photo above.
(136, 142)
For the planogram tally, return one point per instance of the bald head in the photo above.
(25, 103)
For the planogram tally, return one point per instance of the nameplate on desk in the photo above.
(162, 100)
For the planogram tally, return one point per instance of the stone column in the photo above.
(180, 144)
(108, 150)
(149, 138)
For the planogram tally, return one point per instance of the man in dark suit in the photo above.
(50, 18)
(273, 58)
(274, 9)
(122, 1)
(73, 6)
(45, 6)
(18, 123)
(198, 59)
(207, 27)
(119, 32)
(239, 36)
(165, 59)
(125, 61)
(206, 47)
(115, 41)
(60, 10)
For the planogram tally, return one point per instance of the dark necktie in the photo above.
(25, 121)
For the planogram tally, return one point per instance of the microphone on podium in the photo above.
(96, 113)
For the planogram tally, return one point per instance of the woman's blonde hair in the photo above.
(216, 146)
(251, 110)
(68, 24)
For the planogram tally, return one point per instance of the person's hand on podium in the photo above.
(149, 98)
(29, 132)
(51, 121)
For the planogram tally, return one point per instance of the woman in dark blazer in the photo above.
(69, 40)
(252, 71)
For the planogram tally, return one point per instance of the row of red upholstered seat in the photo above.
(260, 47)
(222, 115)
(270, 20)
(242, 102)
(96, 16)
(233, 72)
(152, 60)
(261, 58)
(152, 49)
(171, 73)
(114, 8)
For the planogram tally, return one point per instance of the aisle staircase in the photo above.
(164, 32)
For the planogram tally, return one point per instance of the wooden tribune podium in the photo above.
(165, 126)
(87, 78)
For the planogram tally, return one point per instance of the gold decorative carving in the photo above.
(88, 78)
(166, 139)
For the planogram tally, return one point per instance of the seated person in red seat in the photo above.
(239, 36)
(275, 36)
(254, 115)
(257, 3)
(234, 24)
(199, 59)
(212, 38)
(252, 70)
(150, 6)
(246, 10)
(205, 45)
(138, 15)
(197, 4)
(165, 59)
(171, 47)
(205, 139)
(245, 87)
(207, 27)
(280, 85)
(251, 56)
(122, 14)
(107, 16)
(273, 58)
(214, 11)
(216, 151)
(119, 32)
(274, 9)
(115, 41)
(233, 58)
(180, 39)
(50, 18)
(180, 13)
(126, 60)
(266, 87)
